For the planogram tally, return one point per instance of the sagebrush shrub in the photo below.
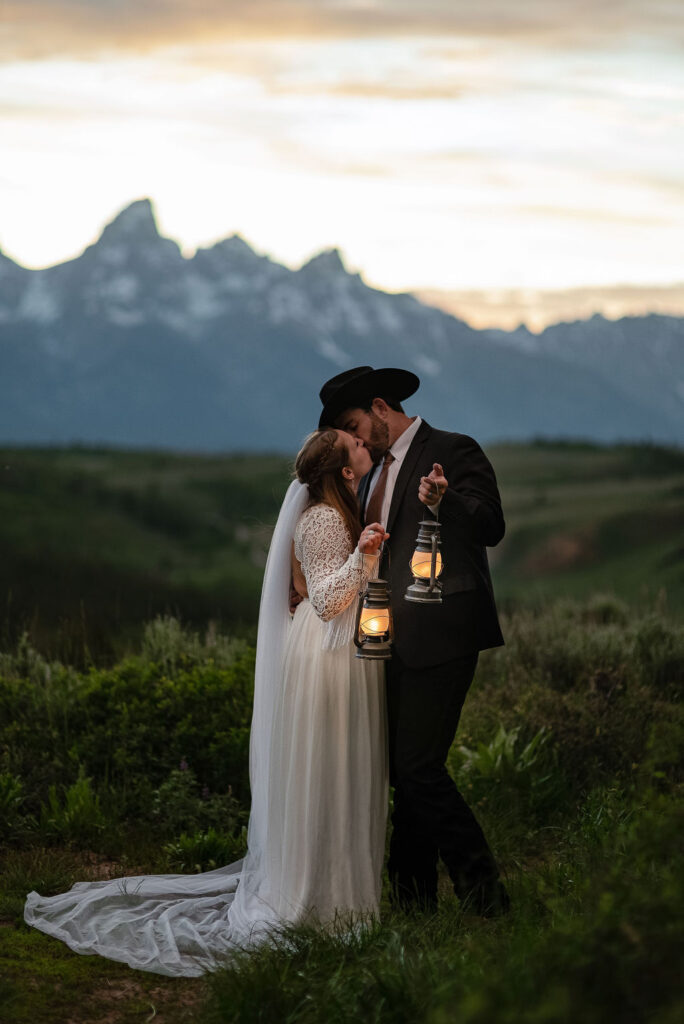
(180, 805)
(599, 687)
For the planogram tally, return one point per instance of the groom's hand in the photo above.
(295, 599)
(433, 486)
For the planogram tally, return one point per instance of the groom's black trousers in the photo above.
(430, 816)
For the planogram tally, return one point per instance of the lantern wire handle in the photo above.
(433, 559)
(433, 563)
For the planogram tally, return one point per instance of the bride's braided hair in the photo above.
(319, 465)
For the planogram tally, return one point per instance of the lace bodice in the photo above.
(334, 573)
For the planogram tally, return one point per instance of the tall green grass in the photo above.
(595, 935)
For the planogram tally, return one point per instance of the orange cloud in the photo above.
(386, 90)
(44, 28)
(507, 308)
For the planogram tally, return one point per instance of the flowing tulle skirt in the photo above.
(323, 851)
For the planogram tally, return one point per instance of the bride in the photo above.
(318, 761)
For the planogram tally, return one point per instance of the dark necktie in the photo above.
(374, 506)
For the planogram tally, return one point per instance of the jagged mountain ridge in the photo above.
(132, 343)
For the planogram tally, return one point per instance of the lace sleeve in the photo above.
(334, 576)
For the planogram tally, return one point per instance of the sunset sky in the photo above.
(443, 145)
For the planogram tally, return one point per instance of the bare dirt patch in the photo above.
(142, 997)
(560, 551)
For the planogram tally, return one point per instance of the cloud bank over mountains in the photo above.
(442, 145)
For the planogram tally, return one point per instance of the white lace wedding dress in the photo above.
(318, 772)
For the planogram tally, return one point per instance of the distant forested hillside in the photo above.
(93, 542)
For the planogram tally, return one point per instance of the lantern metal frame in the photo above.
(376, 595)
(423, 590)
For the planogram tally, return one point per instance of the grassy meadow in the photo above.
(95, 542)
(130, 586)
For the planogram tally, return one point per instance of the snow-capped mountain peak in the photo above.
(135, 223)
(133, 343)
(326, 263)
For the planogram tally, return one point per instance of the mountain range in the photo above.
(133, 344)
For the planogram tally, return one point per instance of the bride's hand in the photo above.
(371, 538)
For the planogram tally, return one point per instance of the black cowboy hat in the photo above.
(362, 384)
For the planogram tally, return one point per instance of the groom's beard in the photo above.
(378, 442)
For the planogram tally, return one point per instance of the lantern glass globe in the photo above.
(375, 621)
(421, 564)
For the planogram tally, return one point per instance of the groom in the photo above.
(436, 646)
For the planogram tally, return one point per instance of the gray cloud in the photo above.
(42, 28)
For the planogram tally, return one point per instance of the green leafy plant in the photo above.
(503, 757)
(204, 851)
(505, 760)
(77, 818)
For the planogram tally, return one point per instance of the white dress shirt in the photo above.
(398, 450)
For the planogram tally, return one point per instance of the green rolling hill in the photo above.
(93, 542)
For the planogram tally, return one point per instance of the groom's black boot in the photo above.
(479, 887)
(488, 899)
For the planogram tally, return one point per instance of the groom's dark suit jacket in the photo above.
(471, 518)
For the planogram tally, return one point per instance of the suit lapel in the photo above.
(407, 470)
